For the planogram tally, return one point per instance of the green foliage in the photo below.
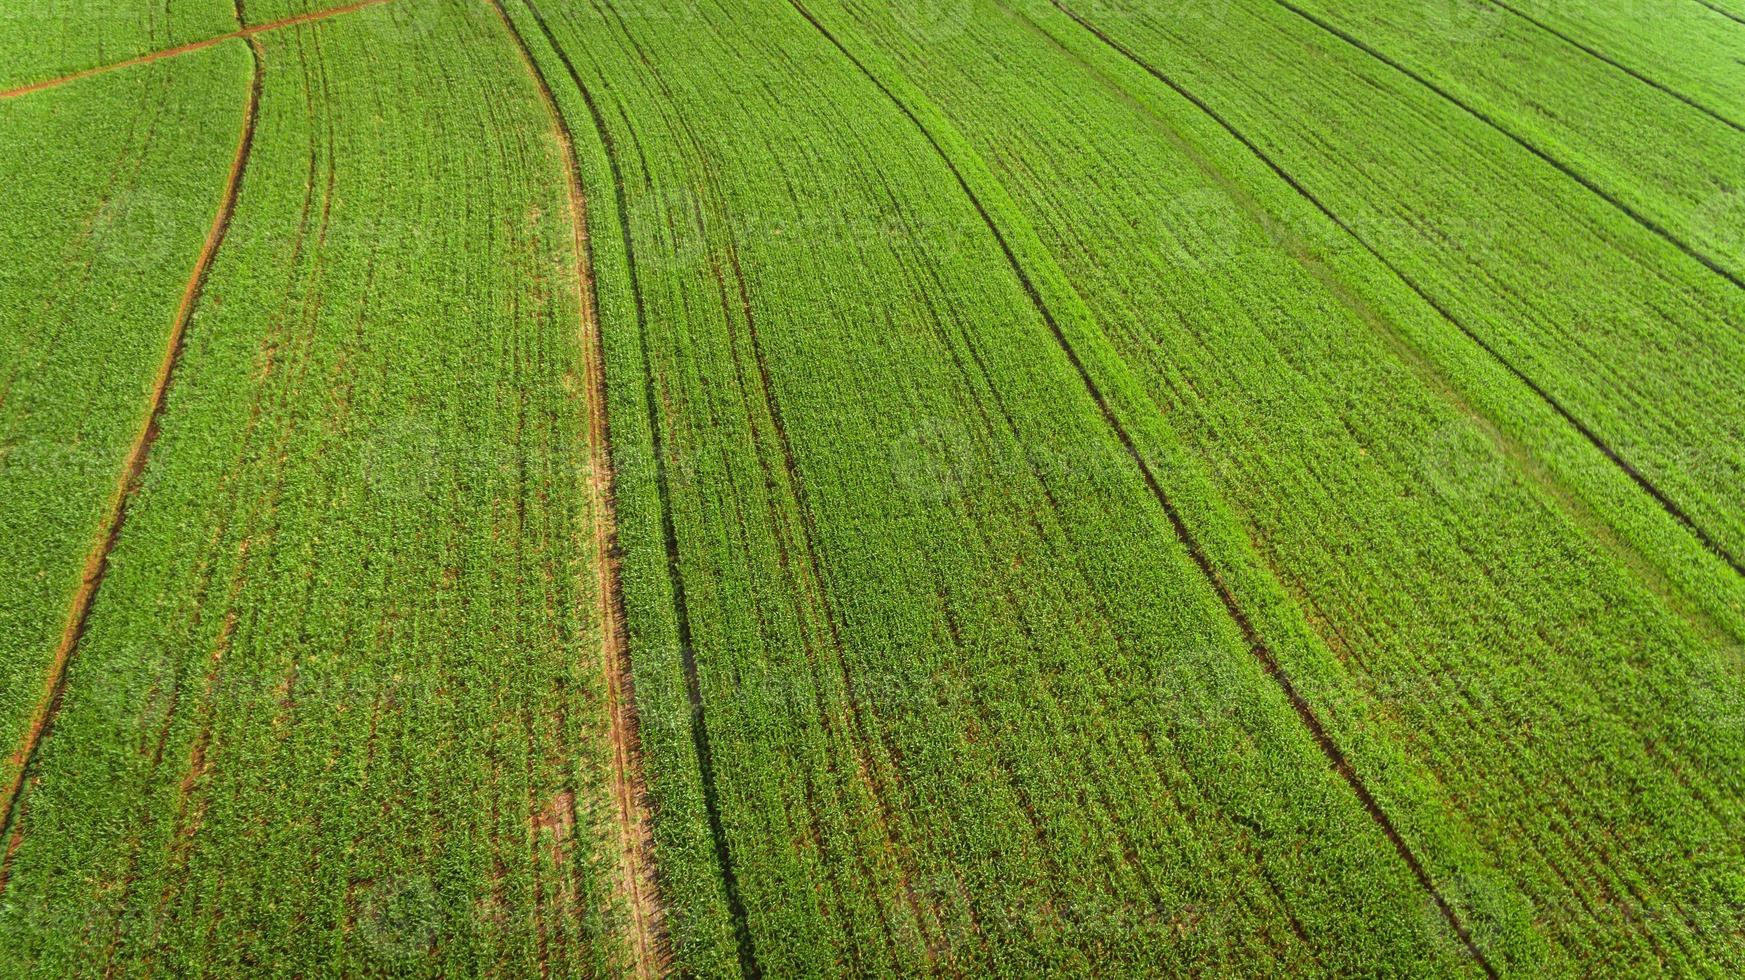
(950, 653)
(110, 187)
(338, 710)
(42, 40)
(1102, 487)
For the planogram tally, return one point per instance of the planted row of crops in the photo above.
(1673, 162)
(1474, 633)
(110, 191)
(1628, 336)
(1690, 48)
(1098, 487)
(339, 706)
(900, 598)
(44, 40)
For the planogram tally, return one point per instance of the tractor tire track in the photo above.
(736, 913)
(1002, 418)
(812, 601)
(191, 46)
(1432, 376)
(97, 563)
(1647, 223)
(637, 884)
(1257, 644)
(191, 804)
(809, 571)
(1671, 507)
(1633, 73)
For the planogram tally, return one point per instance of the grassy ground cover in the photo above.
(1690, 48)
(1672, 163)
(1598, 323)
(1001, 487)
(948, 652)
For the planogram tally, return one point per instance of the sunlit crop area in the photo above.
(872, 487)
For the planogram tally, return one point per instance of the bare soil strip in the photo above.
(146, 59)
(636, 880)
(699, 732)
(1257, 644)
(97, 563)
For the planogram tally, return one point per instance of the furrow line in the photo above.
(1257, 645)
(813, 579)
(1723, 11)
(1633, 73)
(1641, 219)
(699, 733)
(648, 941)
(97, 563)
(191, 46)
(1648, 486)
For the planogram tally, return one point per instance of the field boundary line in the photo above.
(1257, 644)
(190, 47)
(97, 562)
(1484, 117)
(628, 784)
(1648, 486)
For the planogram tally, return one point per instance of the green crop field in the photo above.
(766, 488)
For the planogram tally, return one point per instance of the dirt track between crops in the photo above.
(191, 46)
(636, 884)
(97, 562)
